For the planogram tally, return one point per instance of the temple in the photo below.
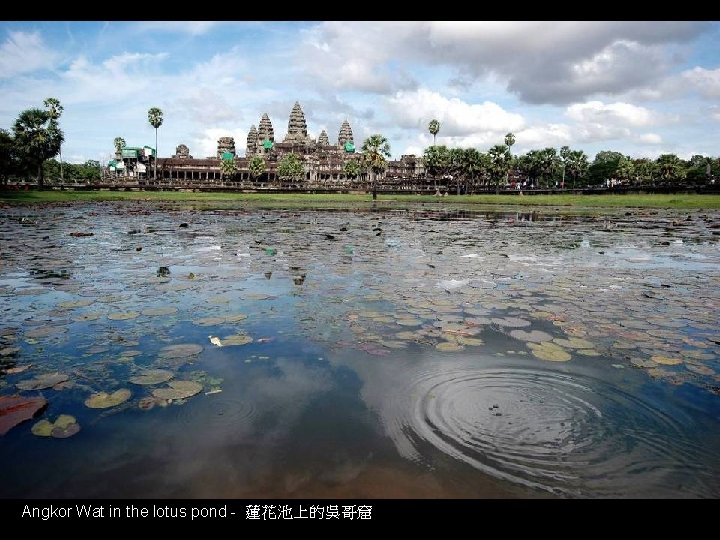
(323, 162)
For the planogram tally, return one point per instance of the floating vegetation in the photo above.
(156, 312)
(64, 426)
(549, 351)
(41, 382)
(152, 376)
(666, 360)
(178, 390)
(123, 316)
(602, 292)
(236, 339)
(535, 336)
(103, 400)
(183, 350)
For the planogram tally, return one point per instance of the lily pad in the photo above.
(16, 409)
(41, 382)
(182, 350)
(665, 360)
(123, 315)
(470, 341)
(549, 351)
(237, 339)
(209, 321)
(511, 322)
(573, 343)
(75, 304)
(64, 426)
(152, 376)
(587, 352)
(103, 400)
(236, 317)
(535, 336)
(449, 346)
(154, 312)
(178, 390)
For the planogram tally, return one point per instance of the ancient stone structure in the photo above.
(323, 161)
(182, 152)
(225, 144)
(252, 141)
(346, 134)
(297, 126)
(265, 131)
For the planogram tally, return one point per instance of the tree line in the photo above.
(566, 168)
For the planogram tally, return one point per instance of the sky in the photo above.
(640, 88)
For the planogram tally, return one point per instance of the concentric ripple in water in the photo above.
(566, 434)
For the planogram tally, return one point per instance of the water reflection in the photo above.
(372, 353)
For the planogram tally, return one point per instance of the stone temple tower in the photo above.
(225, 144)
(266, 131)
(346, 134)
(323, 139)
(297, 126)
(252, 142)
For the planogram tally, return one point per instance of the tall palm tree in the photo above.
(499, 160)
(55, 110)
(375, 149)
(155, 117)
(119, 143)
(37, 139)
(434, 129)
(509, 141)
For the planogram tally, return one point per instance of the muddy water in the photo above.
(401, 353)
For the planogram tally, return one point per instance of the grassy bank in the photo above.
(344, 200)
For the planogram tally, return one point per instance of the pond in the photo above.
(414, 352)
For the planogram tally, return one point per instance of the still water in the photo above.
(359, 353)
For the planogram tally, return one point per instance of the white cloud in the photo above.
(611, 113)
(194, 28)
(705, 81)
(24, 52)
(542, 136)
(543, 62)
(650, 138)
(457, 117)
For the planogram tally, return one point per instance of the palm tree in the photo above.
(37, 139)
(437, 161)
(499, 160)
(55, 110)
(119, 143)
(375, 149)
(509, 141)
(155, 117)
(434, 129)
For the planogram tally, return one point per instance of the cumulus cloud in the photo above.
(457, 117)
(705, 81)
(558, 62)
(24, 52)
(597, 112)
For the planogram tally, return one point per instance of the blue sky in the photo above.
(642, 88)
